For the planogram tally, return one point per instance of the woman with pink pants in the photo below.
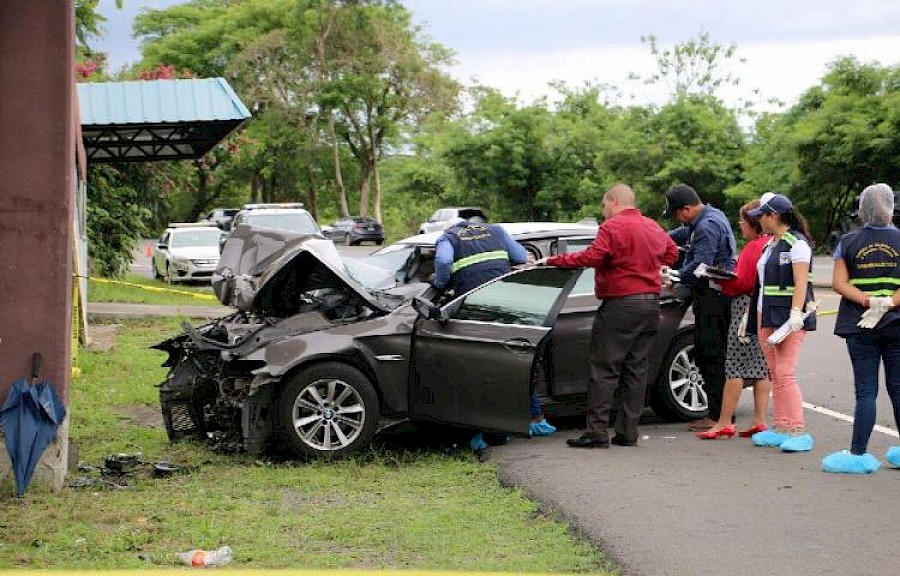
(784, 295)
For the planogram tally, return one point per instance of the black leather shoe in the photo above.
(587, 442)
(619, 441)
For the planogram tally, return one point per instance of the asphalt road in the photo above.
(676, 505)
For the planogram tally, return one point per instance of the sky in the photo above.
(520, 46)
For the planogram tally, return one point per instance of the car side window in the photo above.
(164, 239)
(585, 283)
(524, 298)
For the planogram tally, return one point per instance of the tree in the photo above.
(841, 136)
(88, 21)
(383, 79)
(695, 66)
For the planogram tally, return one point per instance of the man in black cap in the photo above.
(706, 237)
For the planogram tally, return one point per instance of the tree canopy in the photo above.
(354, 112)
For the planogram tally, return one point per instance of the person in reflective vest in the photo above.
(469, 254)
(867, 276)
(784, 293)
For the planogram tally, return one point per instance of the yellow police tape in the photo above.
(153, 288)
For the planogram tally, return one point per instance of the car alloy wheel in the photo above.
(679, 392)
(328, 414)
(328, 410)
(686, 381)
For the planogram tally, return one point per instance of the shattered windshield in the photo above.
(383, 270)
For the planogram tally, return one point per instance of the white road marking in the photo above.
(839, 416)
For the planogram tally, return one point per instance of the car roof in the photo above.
(176, 226)
(518, 230)
(272, 210)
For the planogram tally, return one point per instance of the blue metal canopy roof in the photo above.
(157, 119)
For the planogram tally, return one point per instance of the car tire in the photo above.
(313, 423)
(379, 242)
(678, 393)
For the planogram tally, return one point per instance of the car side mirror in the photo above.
(161, 246)
(428, 310)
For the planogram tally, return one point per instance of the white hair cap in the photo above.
(876, 205)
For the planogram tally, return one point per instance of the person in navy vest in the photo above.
(867, 276)
(784, 295)
(467, 255)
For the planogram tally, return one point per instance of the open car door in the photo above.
(473, 359)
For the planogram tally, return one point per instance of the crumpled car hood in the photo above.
(261, 267)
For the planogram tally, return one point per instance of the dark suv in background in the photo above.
(354, 230)
(444, 217)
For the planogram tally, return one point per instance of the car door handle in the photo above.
(518, 344)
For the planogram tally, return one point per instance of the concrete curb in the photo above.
(113, 311)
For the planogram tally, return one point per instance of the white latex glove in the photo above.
(883, 303)
(795, 321)
(877, 308)
(700, 270)
(542, 261)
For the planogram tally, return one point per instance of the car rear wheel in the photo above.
(679, 393)
(329, 410)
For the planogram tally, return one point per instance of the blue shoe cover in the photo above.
(801, 443)
(542, 428)
(477, 443)
(893, 456)
(845, 462)
(769, 438)
(547, 428)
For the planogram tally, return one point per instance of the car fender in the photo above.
(380, 348)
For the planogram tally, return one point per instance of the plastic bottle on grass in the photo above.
(206, 558)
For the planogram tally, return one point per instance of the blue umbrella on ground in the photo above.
(29, 417)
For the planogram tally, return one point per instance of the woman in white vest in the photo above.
(785, 306)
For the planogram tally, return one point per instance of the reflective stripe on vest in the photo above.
(877, 286)
(778, 291)
(480, 257)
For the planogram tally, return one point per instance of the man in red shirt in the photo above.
(626, 256)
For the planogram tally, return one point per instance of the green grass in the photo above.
(421, 508)
(139, 290)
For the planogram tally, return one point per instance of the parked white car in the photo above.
(187, 251)
(444, 217)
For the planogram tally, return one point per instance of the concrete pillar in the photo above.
(37, 158)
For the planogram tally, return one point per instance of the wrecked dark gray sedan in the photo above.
(321, 353)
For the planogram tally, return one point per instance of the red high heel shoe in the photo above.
(727, 432)
(753, 430)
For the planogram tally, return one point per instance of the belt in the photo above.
(634, 297)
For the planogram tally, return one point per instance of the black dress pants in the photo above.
(621, 339)
(712, 316)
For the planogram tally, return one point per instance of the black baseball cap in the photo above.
(679, 196)
(771, 204)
